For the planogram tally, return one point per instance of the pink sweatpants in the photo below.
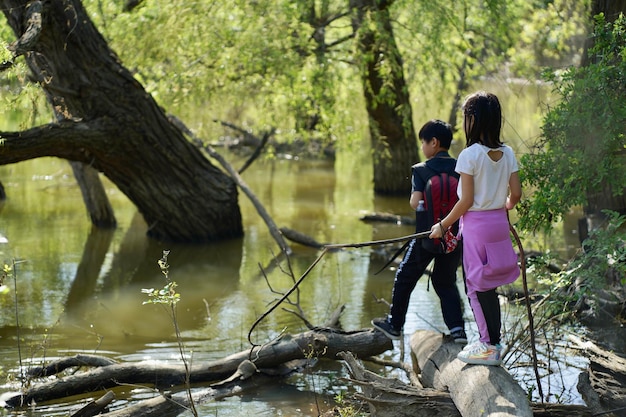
(489, 261)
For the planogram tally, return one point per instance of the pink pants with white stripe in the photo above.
(489, 261)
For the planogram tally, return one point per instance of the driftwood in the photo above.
(477, 390)
(603, 386)
(388, 397)
(321, 343)
(388, 218)
(171, 405)
(95, 407)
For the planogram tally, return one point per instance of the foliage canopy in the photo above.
(276, 63)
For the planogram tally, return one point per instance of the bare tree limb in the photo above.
(60, 365)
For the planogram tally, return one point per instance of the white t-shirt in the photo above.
(491, 178)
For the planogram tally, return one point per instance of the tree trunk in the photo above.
(112, 124)
(94, 195)
(88, 271)
(394, 143)
(604, 197)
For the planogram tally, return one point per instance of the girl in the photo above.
(489, 186)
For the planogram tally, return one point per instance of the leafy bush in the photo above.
(598, 270)
(582, 145)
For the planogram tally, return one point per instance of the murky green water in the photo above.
(222, 288)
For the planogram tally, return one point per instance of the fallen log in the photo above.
(388, 397)
(244, 379)
(319, 343)
(62, 364)
(476, 390)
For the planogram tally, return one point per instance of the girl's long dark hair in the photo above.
(487, 115)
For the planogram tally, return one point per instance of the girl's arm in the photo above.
(461, 206)
(515, 191)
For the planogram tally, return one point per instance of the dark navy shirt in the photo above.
(442, 162)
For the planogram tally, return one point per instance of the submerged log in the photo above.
(300, 238)
(320, 343)
(388, 218)
(476, 390)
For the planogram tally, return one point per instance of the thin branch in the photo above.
(285, 296)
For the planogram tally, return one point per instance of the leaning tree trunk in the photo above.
(112, 124)
(394, 144)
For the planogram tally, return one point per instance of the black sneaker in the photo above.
(459, 337)
(384, 326)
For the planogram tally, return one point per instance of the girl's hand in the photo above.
(435, 231)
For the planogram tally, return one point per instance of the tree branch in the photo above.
(66, 139)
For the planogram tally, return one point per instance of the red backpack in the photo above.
(439, 198)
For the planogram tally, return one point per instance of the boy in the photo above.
(436, 137)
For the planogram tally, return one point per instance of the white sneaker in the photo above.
(481, 354)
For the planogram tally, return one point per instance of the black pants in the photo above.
(411, 269)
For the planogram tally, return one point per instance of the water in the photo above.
(222, 286)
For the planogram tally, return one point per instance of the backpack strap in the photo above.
(424, 172)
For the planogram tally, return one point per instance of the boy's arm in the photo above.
(416, 196)
(417, 185)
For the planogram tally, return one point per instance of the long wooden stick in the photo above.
(531, 325)
(419, 235)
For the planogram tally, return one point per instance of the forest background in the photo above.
(296, 68)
